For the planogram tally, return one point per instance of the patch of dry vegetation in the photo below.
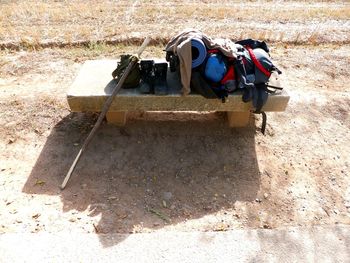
(55, 23)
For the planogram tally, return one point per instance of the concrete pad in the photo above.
(293, 244)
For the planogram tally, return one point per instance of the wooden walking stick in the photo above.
(104, 110)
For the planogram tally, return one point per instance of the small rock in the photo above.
(164, 204)
(266, 226)
(72, 220)
(208, 208)
(220, 227)
(236, 215)
(123, 216)
(97, 230)
(258, 200)
(19, 221)
(266, 195)
(11, 140)
(36, 216)
(167, 196)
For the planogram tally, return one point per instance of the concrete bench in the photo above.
(94, 84)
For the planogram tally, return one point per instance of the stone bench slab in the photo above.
(94, 84)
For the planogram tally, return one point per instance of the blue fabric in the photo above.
(202, 52)
(215, 69)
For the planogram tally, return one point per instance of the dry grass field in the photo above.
(161, 173)
(35, 23)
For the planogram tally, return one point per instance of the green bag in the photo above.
(134, 77)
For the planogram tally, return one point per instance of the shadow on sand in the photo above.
(198, 168)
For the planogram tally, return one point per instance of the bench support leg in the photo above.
(238, 119)
(117, 118)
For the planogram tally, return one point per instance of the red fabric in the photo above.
(213, 51)
(257, 62)
(230, 75)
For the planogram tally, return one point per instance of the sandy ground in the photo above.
(168, 171)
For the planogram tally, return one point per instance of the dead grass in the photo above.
(35, 23)
(35, 61)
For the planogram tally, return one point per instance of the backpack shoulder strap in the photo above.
(257, 62)
(259, 99)
(264, 120)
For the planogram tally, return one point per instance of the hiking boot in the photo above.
(133, 78)
(160, 83)
(147, 76)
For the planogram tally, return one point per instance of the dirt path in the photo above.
(173, 171)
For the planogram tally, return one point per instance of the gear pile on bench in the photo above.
(210, 67)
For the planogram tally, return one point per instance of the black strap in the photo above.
(259, 104)
(253, 44)
(263, 125)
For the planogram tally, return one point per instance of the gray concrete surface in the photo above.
(295, 244)
(94, 83)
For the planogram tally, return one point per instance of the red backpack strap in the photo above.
(230, 75)
(212, 51)
(257, 62)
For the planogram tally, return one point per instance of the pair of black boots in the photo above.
(153, 77)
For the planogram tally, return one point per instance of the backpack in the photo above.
(253, 68)
(249, 72)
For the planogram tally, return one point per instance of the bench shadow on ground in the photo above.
(197, 167)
